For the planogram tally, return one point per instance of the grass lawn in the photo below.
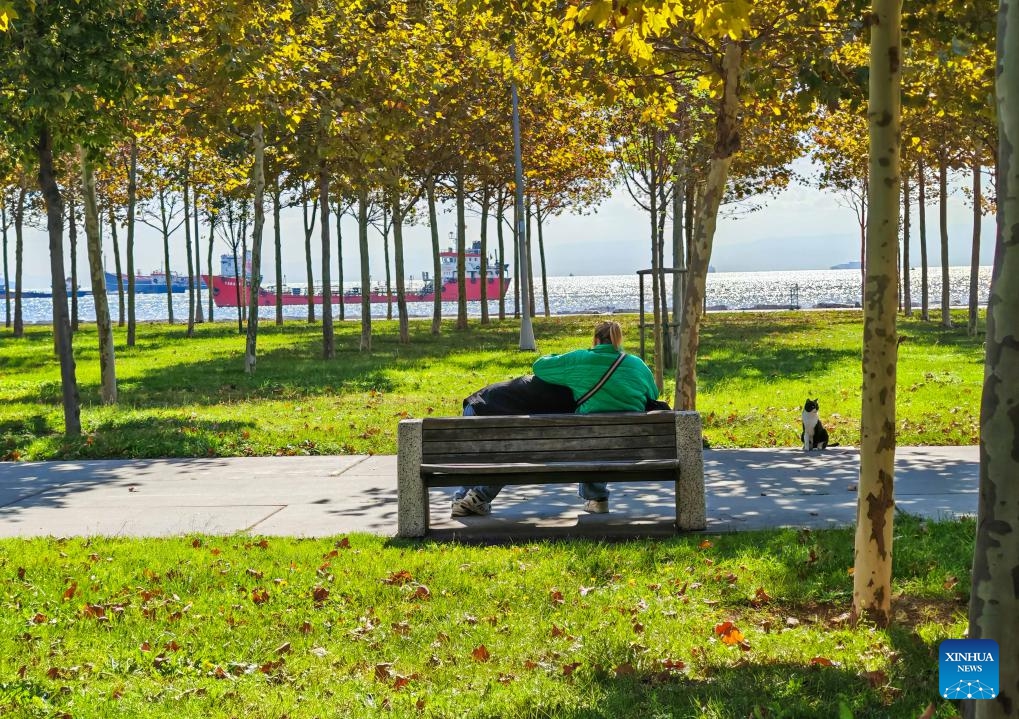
(739, 625)
(191, 398)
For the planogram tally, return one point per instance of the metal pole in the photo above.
(526, 330)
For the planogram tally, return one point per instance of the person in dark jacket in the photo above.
(629, 388)
(521, 395)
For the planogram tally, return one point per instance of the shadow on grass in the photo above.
(767, 363)
(750, 689)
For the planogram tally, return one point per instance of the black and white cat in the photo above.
(814, 435)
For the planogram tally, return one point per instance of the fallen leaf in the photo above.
(305, 628)
(259, 595)
(568, 669)
(728, 632)
(422, 592)
(401, 628)
(399, 578)
(557, 597)
(21, 574)
(420, 705)
(70, 591)
(506, 678)
(672, 665)
(145, 647)
(760, 597)
(343, 544)
(383, 672)
(283, 648)
(400, 683)
(481, 654)
(823, 661)
(638, 627)
(876, 678)
(319, 594)
(530, 664)
(706, 544)
(950, 582)
(624, 670)
(557, 632)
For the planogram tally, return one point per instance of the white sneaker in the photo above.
(596, 506)
(470, 503)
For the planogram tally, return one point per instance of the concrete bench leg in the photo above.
(691, 513)
(412, 494)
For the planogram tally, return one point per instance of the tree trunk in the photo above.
(385, 260)
(258, 181)
(132, 201)
(662, 295)
(907, 287)
(502, 252)
(401, 290)
(518, 255)
(994, 595)
(541, 257)
(7, 278)
(208, 262)
(530, 263)
(433, 223)
(726, 143)
(164, 221)
(485, 199)
(199, 312)
(186, 191)
(73, 242)
(872, 575)
(974, 266)
(461, 253)
(104, 324)
(277, 236)
(653, 181)
(309, 228)
(19, 261)
(328, 337)
(678, 255)
(362, 238)
(922, 219)
(339, 256)
(946, 314)
(61, 325)
(116, 261)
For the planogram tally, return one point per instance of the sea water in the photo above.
(585, 294)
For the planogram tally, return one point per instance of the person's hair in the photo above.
(608, 333)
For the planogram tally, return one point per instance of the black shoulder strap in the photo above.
(604, 378)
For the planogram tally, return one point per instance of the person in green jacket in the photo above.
(629, 389)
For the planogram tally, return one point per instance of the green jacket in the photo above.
(627, 390)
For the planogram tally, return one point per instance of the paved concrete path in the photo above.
(323, 496)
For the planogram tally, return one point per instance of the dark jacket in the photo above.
(522, 395)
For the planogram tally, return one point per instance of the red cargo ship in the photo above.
(225, 289)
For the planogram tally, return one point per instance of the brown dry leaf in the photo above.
(530, 664)
(399, 578)
(420, 705)
(305, 628)
(557, 632)
(401, 628)
(731, 578)
(70, 591)
(481, 654)
(21, 574)
(706, 544)
(568, 669)
(928, 712)
(682, 590)
(283, 648)
(823, 661)
(94, 611)
(264, 544)
(254, 573)
(851, 571)
(950, 582)
(638, 627)
(761, 597)
(383, 672)
(400, 683)
(343, 544)
(876, 678)
(506, 678)
(557, 597)
(220, 673)
(745, 646)
(172, 646)
(39, 618)
(673, 665)
(624, 670)
(270, 667)
(728, 632)
(259, 595)
(422, 592)
(442, 638)
(215, 551)
(145, 647)
(319, 594)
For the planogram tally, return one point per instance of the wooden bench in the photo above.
(550, 449)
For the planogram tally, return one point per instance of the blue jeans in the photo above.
(597, 491)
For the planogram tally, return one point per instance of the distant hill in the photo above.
(847, 266)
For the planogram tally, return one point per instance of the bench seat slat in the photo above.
(489, 433)
(550, 420)
(551, 467)
(514, 444)
(586, 455)
(458, 480)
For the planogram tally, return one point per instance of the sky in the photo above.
(799, 229)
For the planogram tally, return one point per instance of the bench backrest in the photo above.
(549, 438)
